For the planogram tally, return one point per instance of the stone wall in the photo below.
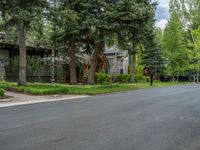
(2, 74)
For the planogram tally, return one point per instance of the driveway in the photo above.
(166, 118)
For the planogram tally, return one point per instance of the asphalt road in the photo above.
(165, 118)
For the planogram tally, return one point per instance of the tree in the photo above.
(67, 26)
(22, 14)
(196, 35)
(174, 47)
(134, 25)
(153, 60)
(188, 11)
(97, 26)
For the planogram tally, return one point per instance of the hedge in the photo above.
(123, 78)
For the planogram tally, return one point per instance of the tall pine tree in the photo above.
(21, 14)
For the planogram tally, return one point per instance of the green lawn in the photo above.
(42, 88)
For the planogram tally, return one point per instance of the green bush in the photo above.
(140, 78)
(101, 78)
(123, 78)
(2, 92)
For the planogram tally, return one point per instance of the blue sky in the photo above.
(162, 13)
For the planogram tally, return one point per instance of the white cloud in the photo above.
(163, 3)
(162, 13)
(162, 23)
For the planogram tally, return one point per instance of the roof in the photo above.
(114, 51)
(10, 46)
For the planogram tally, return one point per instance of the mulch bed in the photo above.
(11, 89)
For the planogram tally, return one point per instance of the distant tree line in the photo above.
(180, 41)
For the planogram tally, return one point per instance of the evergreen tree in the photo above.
(153, 61)
(134, 25)
(22, 14)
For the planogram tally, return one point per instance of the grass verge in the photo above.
(44, 89)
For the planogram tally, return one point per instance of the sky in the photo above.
(162, 13)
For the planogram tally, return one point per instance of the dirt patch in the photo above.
(11, 89)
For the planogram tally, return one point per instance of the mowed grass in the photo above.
(44, 89)
(35, 88)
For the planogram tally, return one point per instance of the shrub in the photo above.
(101, 78)
(123, 78)
(2, 92)
(140, 78)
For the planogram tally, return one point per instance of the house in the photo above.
(118, 61)
(61, 64)
(8, 51)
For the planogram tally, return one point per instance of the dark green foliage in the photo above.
(28, 14)
(14, 64)
(123, 78)
(34, 63)
(2, 92)
(153, 61)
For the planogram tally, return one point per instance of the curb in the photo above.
(2, 105)
(5, 100)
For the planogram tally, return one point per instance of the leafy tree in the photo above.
(196, 56)
(194, 13)
(188, 11)
(159, 36)
(174, 47)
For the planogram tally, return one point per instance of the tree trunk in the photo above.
(173, 78)
(194, 78)
(22, 55)
(133, 65)
(177, 78)
(72, 64)
(93, 64)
